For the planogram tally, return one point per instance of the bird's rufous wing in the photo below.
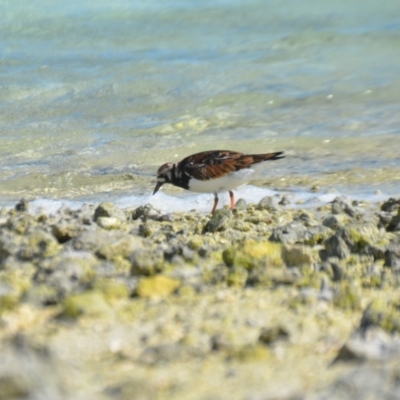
(215, 164)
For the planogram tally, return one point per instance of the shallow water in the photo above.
(96, 95)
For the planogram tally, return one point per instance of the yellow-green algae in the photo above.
(111, 289)
(91, 303)
(14, 284)
(237, 276)
(297, 255)
(249, 353)
(156, 286)
(251, 254)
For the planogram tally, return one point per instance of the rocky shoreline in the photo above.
(267, 301)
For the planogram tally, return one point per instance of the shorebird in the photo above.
(213, 171)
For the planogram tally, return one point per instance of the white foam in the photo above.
(203, 202)
(50, 206)
(186, 201)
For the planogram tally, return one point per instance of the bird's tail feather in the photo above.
(268, 156)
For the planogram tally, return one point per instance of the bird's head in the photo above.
(164, 175)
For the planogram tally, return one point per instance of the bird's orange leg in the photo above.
(215, 203)
(232, 196)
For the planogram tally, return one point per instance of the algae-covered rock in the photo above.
(219, 220)
(42, 295)
(343, 205)
(110, 245)
(121, 245)
(394, 224)
(384, 219)
(251, 254)
(10, 243)
(112, 289)
(13, 284)
(80, 265)
(67, 273)
(14, 265)
(108, 223)
(168, 353)
(355, 238)
(338, 269)
(269, 203)
(108, 216)
(348, 296)
(109, 210)
(91, 303)
(215, 276)
(118, 265)
(241, 226)
(20, 223)
(156, 286)
(297, 255)
(306, 217)
(365, 381)
(237, 276)
(306, 297)
(335, 246)
(15, 280)
(273, 334)
(391, 205)
(315, 235)
(285, 200)
(376, 251)
(132, 389)
(392, 254)
(219, 342)
(22, 206)
(240, 204)
(358, 236)
(289, 234)
(146, 261)
(336, 221)
(254, 218)
(187, 254)
(65, 231)
(298, 233)
(373, 277)
(375, 345)
(92, 240)
(38, 244)
(146, 212)
(9, 296)
(145, 230)
(195, 242)
(380, 313)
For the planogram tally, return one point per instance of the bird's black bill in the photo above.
(159, 184)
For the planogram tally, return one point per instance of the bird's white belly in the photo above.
(226, 183)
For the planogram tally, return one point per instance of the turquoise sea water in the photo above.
(95, 95)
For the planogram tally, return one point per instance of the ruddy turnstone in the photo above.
(213, 171)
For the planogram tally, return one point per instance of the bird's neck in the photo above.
(178, 177)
